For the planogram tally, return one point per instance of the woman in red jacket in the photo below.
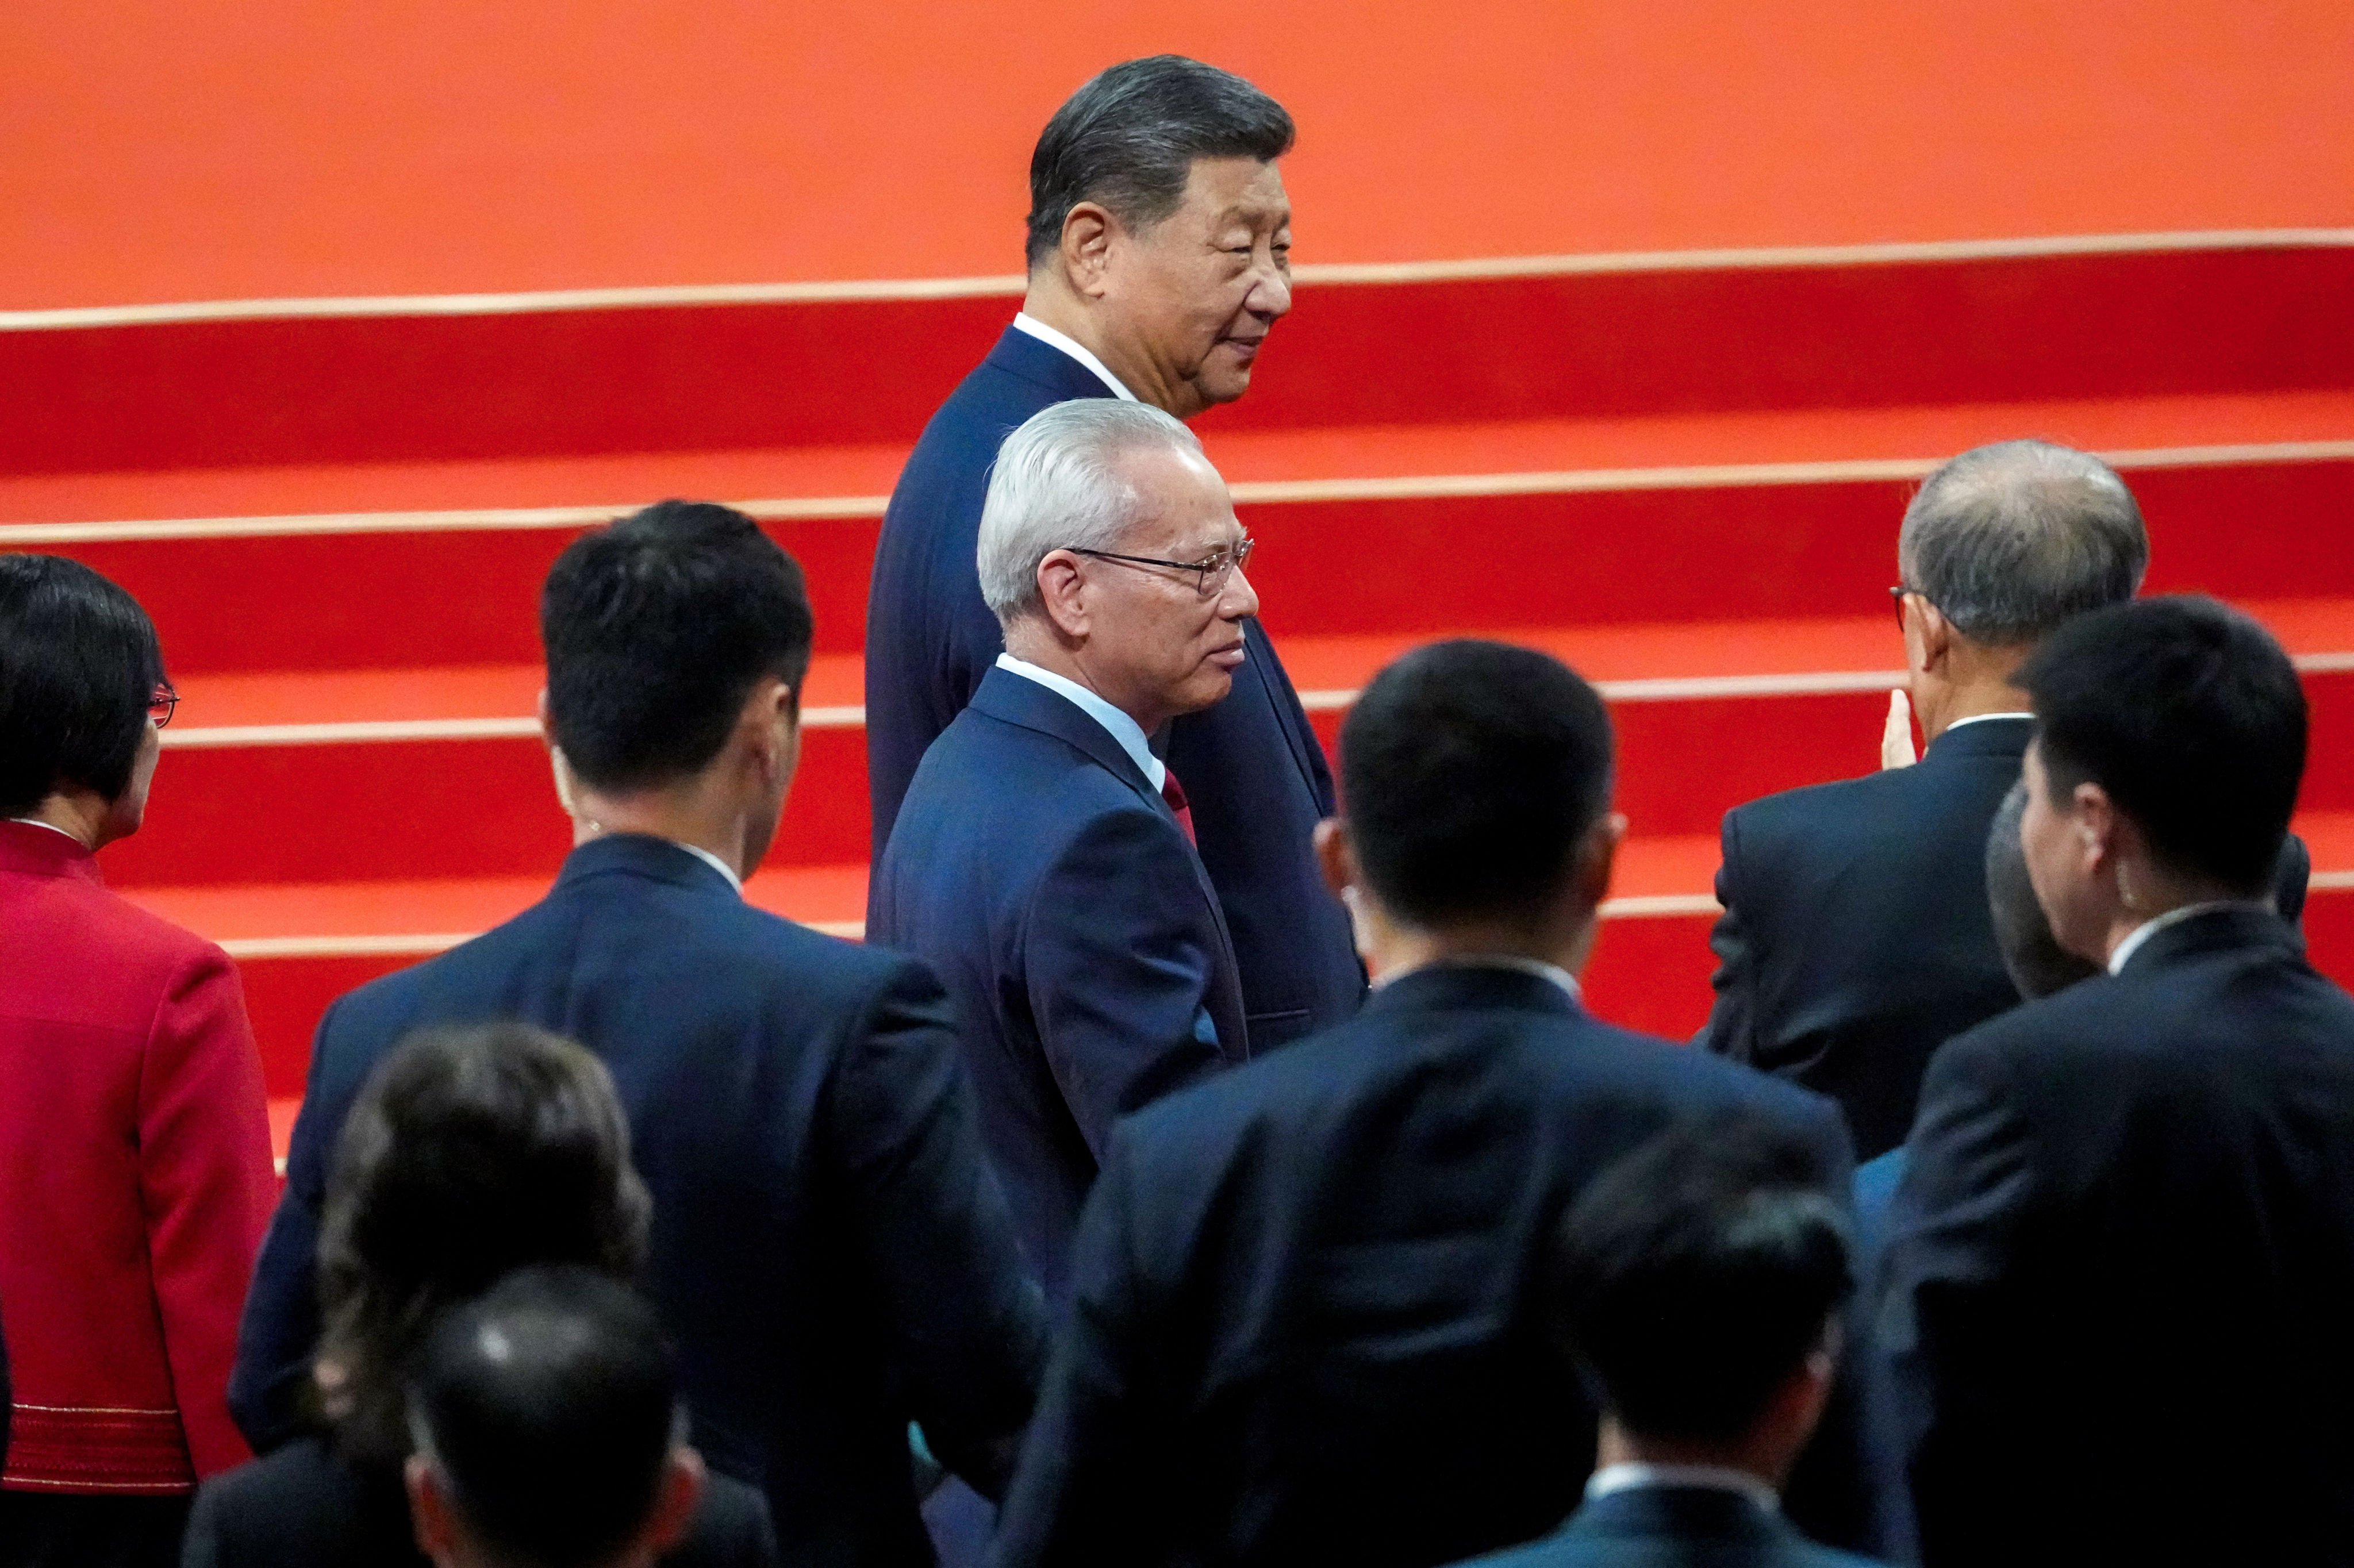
(135, 1141)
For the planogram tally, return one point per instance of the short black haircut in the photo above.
(657, 629)
(78, 664)
(550, 1405)
(1129, 139)
(2192, 718)
(1471, 772)
(1691, 1279)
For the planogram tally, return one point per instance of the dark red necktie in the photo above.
(1174, 793)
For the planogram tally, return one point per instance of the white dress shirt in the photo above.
(36, 823)
(2149, 928)
(1537, 967)
(1025, 322)
(1715, 1477)
(1981, 718)
(1122, 729)
(714, 862)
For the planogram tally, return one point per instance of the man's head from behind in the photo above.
(677, 640)
(2169, 746)
(2037, 964)
(1156, 212)
(548, 1430)
(2002, 546)
(1110, 553)
(1697, 1284)
(1475, 787)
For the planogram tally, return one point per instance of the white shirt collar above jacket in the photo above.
(1027, 324)
(714, 862)
(2149, 928)
(1122, 729)
(1713, 1477)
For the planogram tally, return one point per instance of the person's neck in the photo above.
(1050, 652)
(1392, 949)
(1613, 1444)
(80, 814)
(1949, 704)
(1052, 302)
(2158, 894)
(694, 812)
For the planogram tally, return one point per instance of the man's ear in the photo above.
(1937, 634)
(1088, 229)
(2097, 824)
(677, 1496)
(1597, 858)
(1062, 594)
(1336, 857)
(431, 1518)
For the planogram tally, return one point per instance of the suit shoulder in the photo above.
(139, 937)
(1814, 809)
(732, 1527)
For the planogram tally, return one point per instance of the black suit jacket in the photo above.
(1673, 1527)
(1047, 882)
(829, 1249)
(1304, 1325)
(2117, 1299)
(1253, 771)
(305, 1507)
(1855, 936)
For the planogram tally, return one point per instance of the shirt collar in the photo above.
(36, 823)
(1712, 1477)
(1123, 729)
(1981, 718)
(1024, 322)
(1537, 967)
(714, 862)
(2149, 928)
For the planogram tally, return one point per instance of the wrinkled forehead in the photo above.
(1184, 510)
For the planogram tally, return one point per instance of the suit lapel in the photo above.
(1045, 367)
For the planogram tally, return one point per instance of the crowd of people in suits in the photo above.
(1193, 1167)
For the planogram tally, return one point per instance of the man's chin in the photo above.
(1207, 691)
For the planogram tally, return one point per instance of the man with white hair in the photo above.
(1044, 858)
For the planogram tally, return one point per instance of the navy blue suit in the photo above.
(1046, 880)
(1305, 1323)
(2121, 1266)
(1253, 771)
(829, 1249)
(1673, 1527)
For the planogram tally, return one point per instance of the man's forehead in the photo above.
(1237, 190)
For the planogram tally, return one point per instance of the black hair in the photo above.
(549, 1406)
(470, 1153)
(657, 628)
(2037, 964)
(1129, 139)
(1691, 1279)
(2192, 719)
(78, 664)
(1471, 772)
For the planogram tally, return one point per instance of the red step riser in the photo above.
(703, 378)
(356, 601)
(486, 808)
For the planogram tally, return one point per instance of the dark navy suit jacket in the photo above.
(1673, 1527)
(1305, 1323)
(1253, 771)
(829, 1249)
(2121, 1266)
(1856, 938)
(1036, 868)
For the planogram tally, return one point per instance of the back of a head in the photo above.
(2012, 540)
(1694, 1276)
(469, 1153)
(2037, 964)
(2190, 717)
(657, 629)
(78, 664)
(1470, 774)
(549, 1406)
(1127, 139)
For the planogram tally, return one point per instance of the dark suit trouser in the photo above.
(78, 1529)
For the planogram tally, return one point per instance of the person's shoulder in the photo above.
(1563, 1549)
(296, 1505)
(136, 938)
(1837, 810)
(732, 1529)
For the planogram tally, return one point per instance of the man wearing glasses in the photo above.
(1044, 860)
(1158, 249)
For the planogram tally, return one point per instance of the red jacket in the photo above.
(136, 1181)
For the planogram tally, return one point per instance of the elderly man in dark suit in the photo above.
(1305, 1325)
(1042, 862)
(2122, 1259)
(1855, 936)
(829, 1249)
(1698, 1286)
(1158, 256)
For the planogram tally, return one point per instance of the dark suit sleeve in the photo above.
(200, 1542)
(280, 1327)
(1118, 962)
(1731, 1027)
(970, 1325)
(1074, 1499)
(1951, 1337)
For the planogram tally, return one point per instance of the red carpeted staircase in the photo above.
(1682, 473)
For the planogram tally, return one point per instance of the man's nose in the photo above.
(1237, 601)
(1270, 296)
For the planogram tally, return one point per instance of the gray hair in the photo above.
(1129, 137)
(2010, 540)
(2038, 965)
(1057, 485)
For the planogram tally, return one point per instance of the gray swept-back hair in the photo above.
(1129, 138)
(2010, 540)
(1057, 485)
